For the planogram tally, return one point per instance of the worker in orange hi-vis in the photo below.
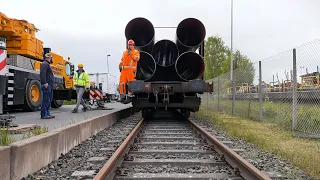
(128, 69)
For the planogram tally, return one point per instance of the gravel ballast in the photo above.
(178, 147)
(177, 169)
(213, 156)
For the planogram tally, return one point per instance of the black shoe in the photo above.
(46, 117)
(74, 110)
(126, 101)
(85, 109)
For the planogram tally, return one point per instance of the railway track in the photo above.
(171, 147)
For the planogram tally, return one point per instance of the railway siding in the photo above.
(166, 147)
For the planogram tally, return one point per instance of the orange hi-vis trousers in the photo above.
(126, 76)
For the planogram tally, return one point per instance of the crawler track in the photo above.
(171, 147)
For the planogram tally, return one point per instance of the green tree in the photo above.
(215, 56)
(243, 69)
(217, 61)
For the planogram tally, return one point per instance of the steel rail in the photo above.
(247, 170)
(109, 167)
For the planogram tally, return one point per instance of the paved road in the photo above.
(64, 116)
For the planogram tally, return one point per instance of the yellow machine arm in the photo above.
(20, 35)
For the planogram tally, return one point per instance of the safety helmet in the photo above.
(80, 65)
(130, 42)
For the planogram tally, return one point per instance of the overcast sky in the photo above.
(89, 30)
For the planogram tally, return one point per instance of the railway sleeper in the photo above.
(174, 176)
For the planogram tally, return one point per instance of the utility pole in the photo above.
(108, 73)
(231, 49)
(231, 64)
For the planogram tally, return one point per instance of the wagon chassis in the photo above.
(161, 94)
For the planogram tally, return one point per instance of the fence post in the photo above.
(260, 92)
(233, 94)
(219, 93)
(294, 92)
(207, 109)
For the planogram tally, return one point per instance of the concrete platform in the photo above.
(29, 155)
(64, 116)
(33, 153)
(4, 162)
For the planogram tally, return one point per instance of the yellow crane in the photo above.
(24, 54)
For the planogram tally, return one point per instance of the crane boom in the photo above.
(20, 35)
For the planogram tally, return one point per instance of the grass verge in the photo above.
(6, 138)
(308, 121)
(270, 137)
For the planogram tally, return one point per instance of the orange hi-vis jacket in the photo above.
(128, 65)
(130, 61)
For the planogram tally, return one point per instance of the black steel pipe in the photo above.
(146, 66)
(189, 66)
(141, 31)
(165, 52)
(165, 74)
(189, 35)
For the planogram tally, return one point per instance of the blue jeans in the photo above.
(46, 100)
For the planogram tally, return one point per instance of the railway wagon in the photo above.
(169, 74)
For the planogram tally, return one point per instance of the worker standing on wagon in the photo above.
(81, 83)
(128, 69)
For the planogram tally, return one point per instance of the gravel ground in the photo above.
(171, 147)
(76, 159)
(172, 135)
(168, 127)
(214, 156)
(168, 140)
(177, 169)
(173, 131)
(262, 160)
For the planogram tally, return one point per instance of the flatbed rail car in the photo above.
(169, 74)
(181, 95)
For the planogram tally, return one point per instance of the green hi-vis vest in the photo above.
(82, 80)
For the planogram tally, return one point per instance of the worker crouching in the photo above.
(128, 70)
(81, 83)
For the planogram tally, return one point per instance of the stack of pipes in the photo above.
(167, 60)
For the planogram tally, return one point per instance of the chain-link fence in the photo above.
(288, 93)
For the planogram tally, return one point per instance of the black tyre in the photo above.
(33, 96)
(57, 103)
